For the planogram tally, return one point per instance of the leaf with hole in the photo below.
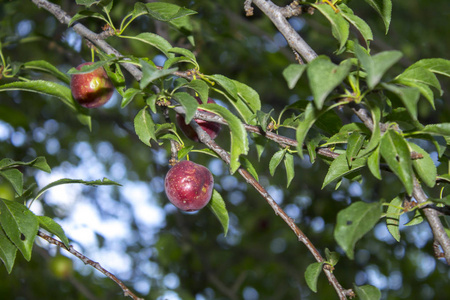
(354, 222)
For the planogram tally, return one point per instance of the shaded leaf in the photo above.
(395, 151)
(324, 76)
(128, 96)
(367, 292)
(384, 9)
(150, 73)
(153, 40)
(312, 274)
(20, 225)
(340, 167)
(292, 74)
(276, 160)
(393, 213)
(354, 222)
(339, 26)
(7, 251)
(15, 177)
(424, 166)
(357, 22)
(239, 140)
(144, 126)
(217, 205)
(289, 165)
(44, 66)
(54, 228)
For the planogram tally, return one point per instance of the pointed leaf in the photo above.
(201, 88)
(144, 126)
(153, 40)
(38, 163)
(275, 161)
(20, 225)
(354, 222)
(7, 251)
(51, 226)
(293, 73)
(373, 162)
(189, 103)
(249, 167)
(217, 205)
(324, 76)
(44, 66)
(354, 145)
(393, 213)
(339, 168)
(436, 65)
(239, 139)
(339, 26)
(15, 177)
(312, 274)
(384, 9)
(424, 165)
(128, 96)
(332, 257)
(289, 165)
(357, 22)
(416, 219)
(248, 95)
(367, 292)
(150, 73)
(395, 151)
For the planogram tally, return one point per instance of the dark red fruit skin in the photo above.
(91, 89)
(189, 185)
(211, 128)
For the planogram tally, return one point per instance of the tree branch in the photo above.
(225, 156)
(440, 236)
(126, 291)
(278, 17)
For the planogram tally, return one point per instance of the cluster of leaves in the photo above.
(389, 138)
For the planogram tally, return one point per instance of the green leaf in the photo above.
(416, 219)
(357, 22)
(384, 9)
(38, 163)
(128, 96)
(393, 213)
(332, 257)
(87, 14)
(354, 145)
(15, 177)
(264, 119)
(276, 160)
(46, 67)
(395, 151)
(424, 167)
(293, 73)
(20, 225)
(189, 103)
(339, 26)
(104, 181)
(436, 65)
(354, 222)
(166, 12)
(249, 167)
(248, 95)
(376, 65)
(239, 139)
(289, 165)
(442, 129)
(312, 274)
(184, 151)
(153, 40)
(54, 228)
(340, 167)
(201, 88)
(419, 75)
(150, 73)
(373, 162)
(7, 251)
(324, 76)
(144, 126)
(186, 53)
(217, 205)
(231, 89)
(367, 292)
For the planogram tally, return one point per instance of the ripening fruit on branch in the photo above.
(189, 186)
(211, 128)
(91, 89)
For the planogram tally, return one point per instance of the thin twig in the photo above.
(126, 291)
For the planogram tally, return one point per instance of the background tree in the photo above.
(349, 150)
